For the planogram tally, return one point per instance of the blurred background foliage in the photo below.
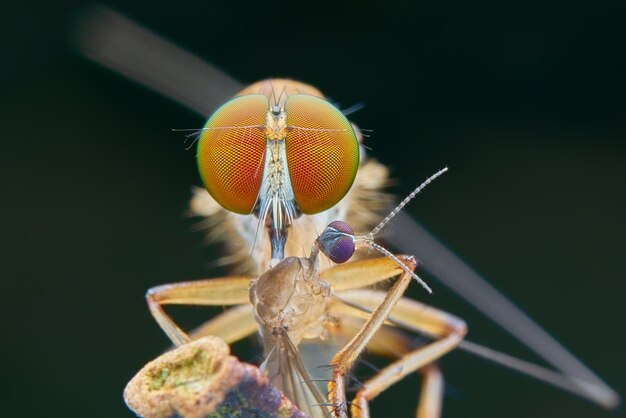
(524, 101)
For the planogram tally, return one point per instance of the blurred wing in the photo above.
(403, 232)
(286, 371)
(118, 43)
(114, 41)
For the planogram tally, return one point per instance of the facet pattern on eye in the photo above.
(231, 152)
(322, 152)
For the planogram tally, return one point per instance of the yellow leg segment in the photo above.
(417, 317)
(431, 397)
(232, 325)
(343, 361)
(216, 292)
(360, 273)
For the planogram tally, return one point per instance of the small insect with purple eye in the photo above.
(337, 242)
(117, 42)
(296, 301)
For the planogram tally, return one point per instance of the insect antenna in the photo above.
(281, 94)
(338, 241)
(405, 201)
(273, 92)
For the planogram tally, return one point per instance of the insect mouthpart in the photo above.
(277, 214)
(276, 206)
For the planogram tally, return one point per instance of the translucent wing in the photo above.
(286, 371)
(118, 43)
(122, 45)
(446, 266)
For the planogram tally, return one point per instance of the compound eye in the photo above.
(337, 242)
(231, 152)
(322, 152)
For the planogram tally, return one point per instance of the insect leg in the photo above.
(343, 361)
(389, 342)
(231, 325)
(361, 273)
(431, 396)
(450, 331)
(216, 292)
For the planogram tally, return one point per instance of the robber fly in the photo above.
(275, 153)
(278, 214)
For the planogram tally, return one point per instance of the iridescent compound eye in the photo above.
(231, 152)
(337, 241)
(322, 152)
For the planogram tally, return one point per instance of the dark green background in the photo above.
(526, 102)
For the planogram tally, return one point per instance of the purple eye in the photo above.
(337, 242)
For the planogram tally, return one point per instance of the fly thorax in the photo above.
(290, 296)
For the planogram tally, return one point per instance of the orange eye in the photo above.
(322, 152)
(231, 152)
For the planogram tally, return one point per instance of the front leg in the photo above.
(409, 314)
(343, 361)
(211, 292)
